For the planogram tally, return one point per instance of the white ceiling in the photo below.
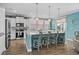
(43, 10)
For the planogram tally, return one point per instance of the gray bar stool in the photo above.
(40, 40)
(53, 38)
(37, 41)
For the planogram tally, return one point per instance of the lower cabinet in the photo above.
(2, 44)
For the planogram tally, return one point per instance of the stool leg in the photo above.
(38, 49)
(56, 45)
(41, 45)
(38, 46)
(56, 40)
(48, 43)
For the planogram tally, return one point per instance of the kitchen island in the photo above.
(30, 37)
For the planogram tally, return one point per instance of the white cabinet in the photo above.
(2, 30)
(2, 36)
(19, 20)
(2, 14)
(13, 24)
(2, 44)
(13, 34)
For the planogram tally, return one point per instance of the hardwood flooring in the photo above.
(18, 48)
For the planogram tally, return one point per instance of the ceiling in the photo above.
(29, 9)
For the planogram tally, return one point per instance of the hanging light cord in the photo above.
(49, 11)
(52, 11)
(36, 9)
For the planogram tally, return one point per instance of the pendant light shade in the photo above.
(49, 10)
(36, 17)
(49, 19)
(58, 12)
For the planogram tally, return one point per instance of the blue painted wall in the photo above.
(72, 25)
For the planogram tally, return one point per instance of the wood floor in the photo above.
(18, 48)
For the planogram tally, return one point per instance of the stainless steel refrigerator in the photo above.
(7, 33)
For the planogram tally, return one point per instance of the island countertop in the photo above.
(28, 39)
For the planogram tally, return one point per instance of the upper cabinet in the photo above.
(13, 20)
(19, 19)
(2, 14)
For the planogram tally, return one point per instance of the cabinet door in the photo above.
(2, 14)
(13, 20)
(13, 24)
(2, 26)
(2, 36)
(2, 30)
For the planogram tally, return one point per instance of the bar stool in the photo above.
(45, 40)
(61, 38)
(53, 38)
(40, 40)
(37, 41)
(48, 40)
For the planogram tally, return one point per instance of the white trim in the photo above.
(29, 50)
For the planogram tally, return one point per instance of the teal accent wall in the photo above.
(72, 25)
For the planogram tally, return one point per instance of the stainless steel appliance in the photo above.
(7, 33)
(19, 30)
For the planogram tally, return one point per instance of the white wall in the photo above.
(2, 30)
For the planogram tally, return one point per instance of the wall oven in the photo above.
(19, 30)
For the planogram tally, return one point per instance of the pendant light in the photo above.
(58, 19)
(49, 19)
(36, 12)
(52, 11)
(58, 12)
(36, 17)
(49, 14)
